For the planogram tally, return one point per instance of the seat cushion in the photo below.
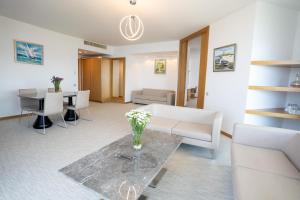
(251, 184)
(193, 130)
(162, 124)
(151, 97)
(267, 160)
(155, 92)
(293, 150)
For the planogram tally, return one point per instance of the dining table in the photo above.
(70, 115)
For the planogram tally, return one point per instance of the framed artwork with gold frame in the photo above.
(160, 66)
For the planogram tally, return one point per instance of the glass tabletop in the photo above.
(117, 170)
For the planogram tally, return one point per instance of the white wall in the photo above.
(139, 59)
(193, 68)
(193, 62)
(146, 48)
(60, 58)
(274, 32)
(148, 79)
(227, 91)
(294, 97)
(296, 50)
(274, 38)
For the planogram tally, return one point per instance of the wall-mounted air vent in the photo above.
(94, 44)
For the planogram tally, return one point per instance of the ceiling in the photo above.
(98, 20)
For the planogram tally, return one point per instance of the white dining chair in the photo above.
(53, 104)
(82, 102)
(51, 90)
(26, 104)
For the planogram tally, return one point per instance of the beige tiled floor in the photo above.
(29, 161)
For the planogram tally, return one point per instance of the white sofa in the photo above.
(197, 126)
(149, 96)
(266, 163)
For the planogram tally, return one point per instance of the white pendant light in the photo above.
(131, 26)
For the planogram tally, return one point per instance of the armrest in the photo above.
(216, 130)
(265, 137)
(134, 93)
(171, 98)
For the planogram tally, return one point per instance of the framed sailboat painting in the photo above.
(30, 53)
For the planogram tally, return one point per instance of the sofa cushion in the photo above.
(162, 124)
(151, 98)
(266, 160)
(193, 130)
(252, 184)
(293, 150)
(156, 92)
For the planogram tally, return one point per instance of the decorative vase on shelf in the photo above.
(138, 120)
(296, 83)
(56, 82)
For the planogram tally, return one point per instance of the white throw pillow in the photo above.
(293, 150)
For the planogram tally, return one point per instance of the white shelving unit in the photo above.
(269, 93)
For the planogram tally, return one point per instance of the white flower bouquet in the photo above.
(138, 120)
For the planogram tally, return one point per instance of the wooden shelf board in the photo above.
(278, 63)
(274, 88)
(273, 112)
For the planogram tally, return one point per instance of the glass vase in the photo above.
(136, 140)
(56, 87)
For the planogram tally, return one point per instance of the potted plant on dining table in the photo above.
(138, 120)
(56, 82)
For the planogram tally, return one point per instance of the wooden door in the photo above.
(86, 75)
(80, 73)
(182, 72)
(122, 78)
(91, 73)
(204, 34)
(96, 79)
(203, 67)
(106, 76)
(118, 79)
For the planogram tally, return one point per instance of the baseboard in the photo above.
(117, 100)
(14, 116)
(95, 101)
(226, 134)
(106, 100)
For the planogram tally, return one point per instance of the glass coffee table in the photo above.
(119, 172)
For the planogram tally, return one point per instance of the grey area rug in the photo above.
(193, 175)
